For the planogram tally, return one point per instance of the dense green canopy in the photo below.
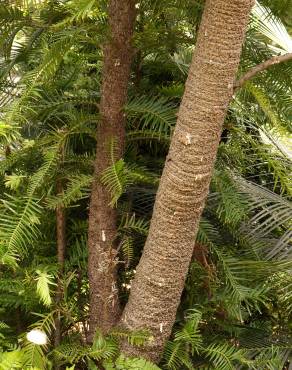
(236, 309)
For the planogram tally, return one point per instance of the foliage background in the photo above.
(235, 311)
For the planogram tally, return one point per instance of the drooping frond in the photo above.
(135, 363)
(19, 226)
(272, 28)
(116, 180)
(224, 356)
(101, 349)
(131, 223)
(77, 188)
(231, 206)
(38, 178)
(34, 356)
(120, 175)
(272, 213)
(44, 280)
(156, 114)
(127, 246)
(11, 360)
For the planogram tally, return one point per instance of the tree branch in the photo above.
(260, 68)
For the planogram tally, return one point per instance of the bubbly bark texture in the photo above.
(184, 185)
(118, 52)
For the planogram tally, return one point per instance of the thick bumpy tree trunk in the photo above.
(184, 186)
(118, 52)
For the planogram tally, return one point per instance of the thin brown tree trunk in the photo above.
(61, 250)
(118, 53)
(184, 186)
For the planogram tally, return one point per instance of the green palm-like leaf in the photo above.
(272, 28)
(44, 280)
(78, 187)
(124, 363)
(19, 225)
(155, 114)
(273, 213)
(223, 356)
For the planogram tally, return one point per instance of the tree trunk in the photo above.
(184, 185)
(118, 53)
(61, 250)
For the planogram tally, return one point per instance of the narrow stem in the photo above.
(61, 250)
(260, 68)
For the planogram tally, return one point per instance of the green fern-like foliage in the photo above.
(235, 311)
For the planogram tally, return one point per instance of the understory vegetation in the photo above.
(236, 307)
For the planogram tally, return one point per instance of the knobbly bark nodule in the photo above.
(184, 185)
(118, 53)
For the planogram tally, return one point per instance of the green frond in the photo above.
(38, 178)
(77, 188)
(120, 175)
(143, 197)
(173, 91)
(156, 114)
(21, 217)
(115, 179)
(125, 363)
(270, 359)
(46, 323)
(182, 59)
(11, 292)
(44, 280)
(272, 28)
(70, 368)
(148, 136)
(13, 182)
(238, 286)
(34, 356)
(189, 333)
(128, 250)
(78, 252)
(84, 9)
(53, 56)
(141, 175)
(247, 153)
(8, 133)
(73, 353)
(224, 356)
(208, 234)
(272, 213)
(176, 356)
(231, 207)
(261, 338)
(11, 360)
(135, 338)
(265, 104)
(3, 325)
(19, 225)
(283, 285)
(44, 73)
(103, 348)
(133, 224)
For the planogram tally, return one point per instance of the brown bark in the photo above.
(61, 231)
(61, 250)
(118, 53)
(262, 67)
(184, 185)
